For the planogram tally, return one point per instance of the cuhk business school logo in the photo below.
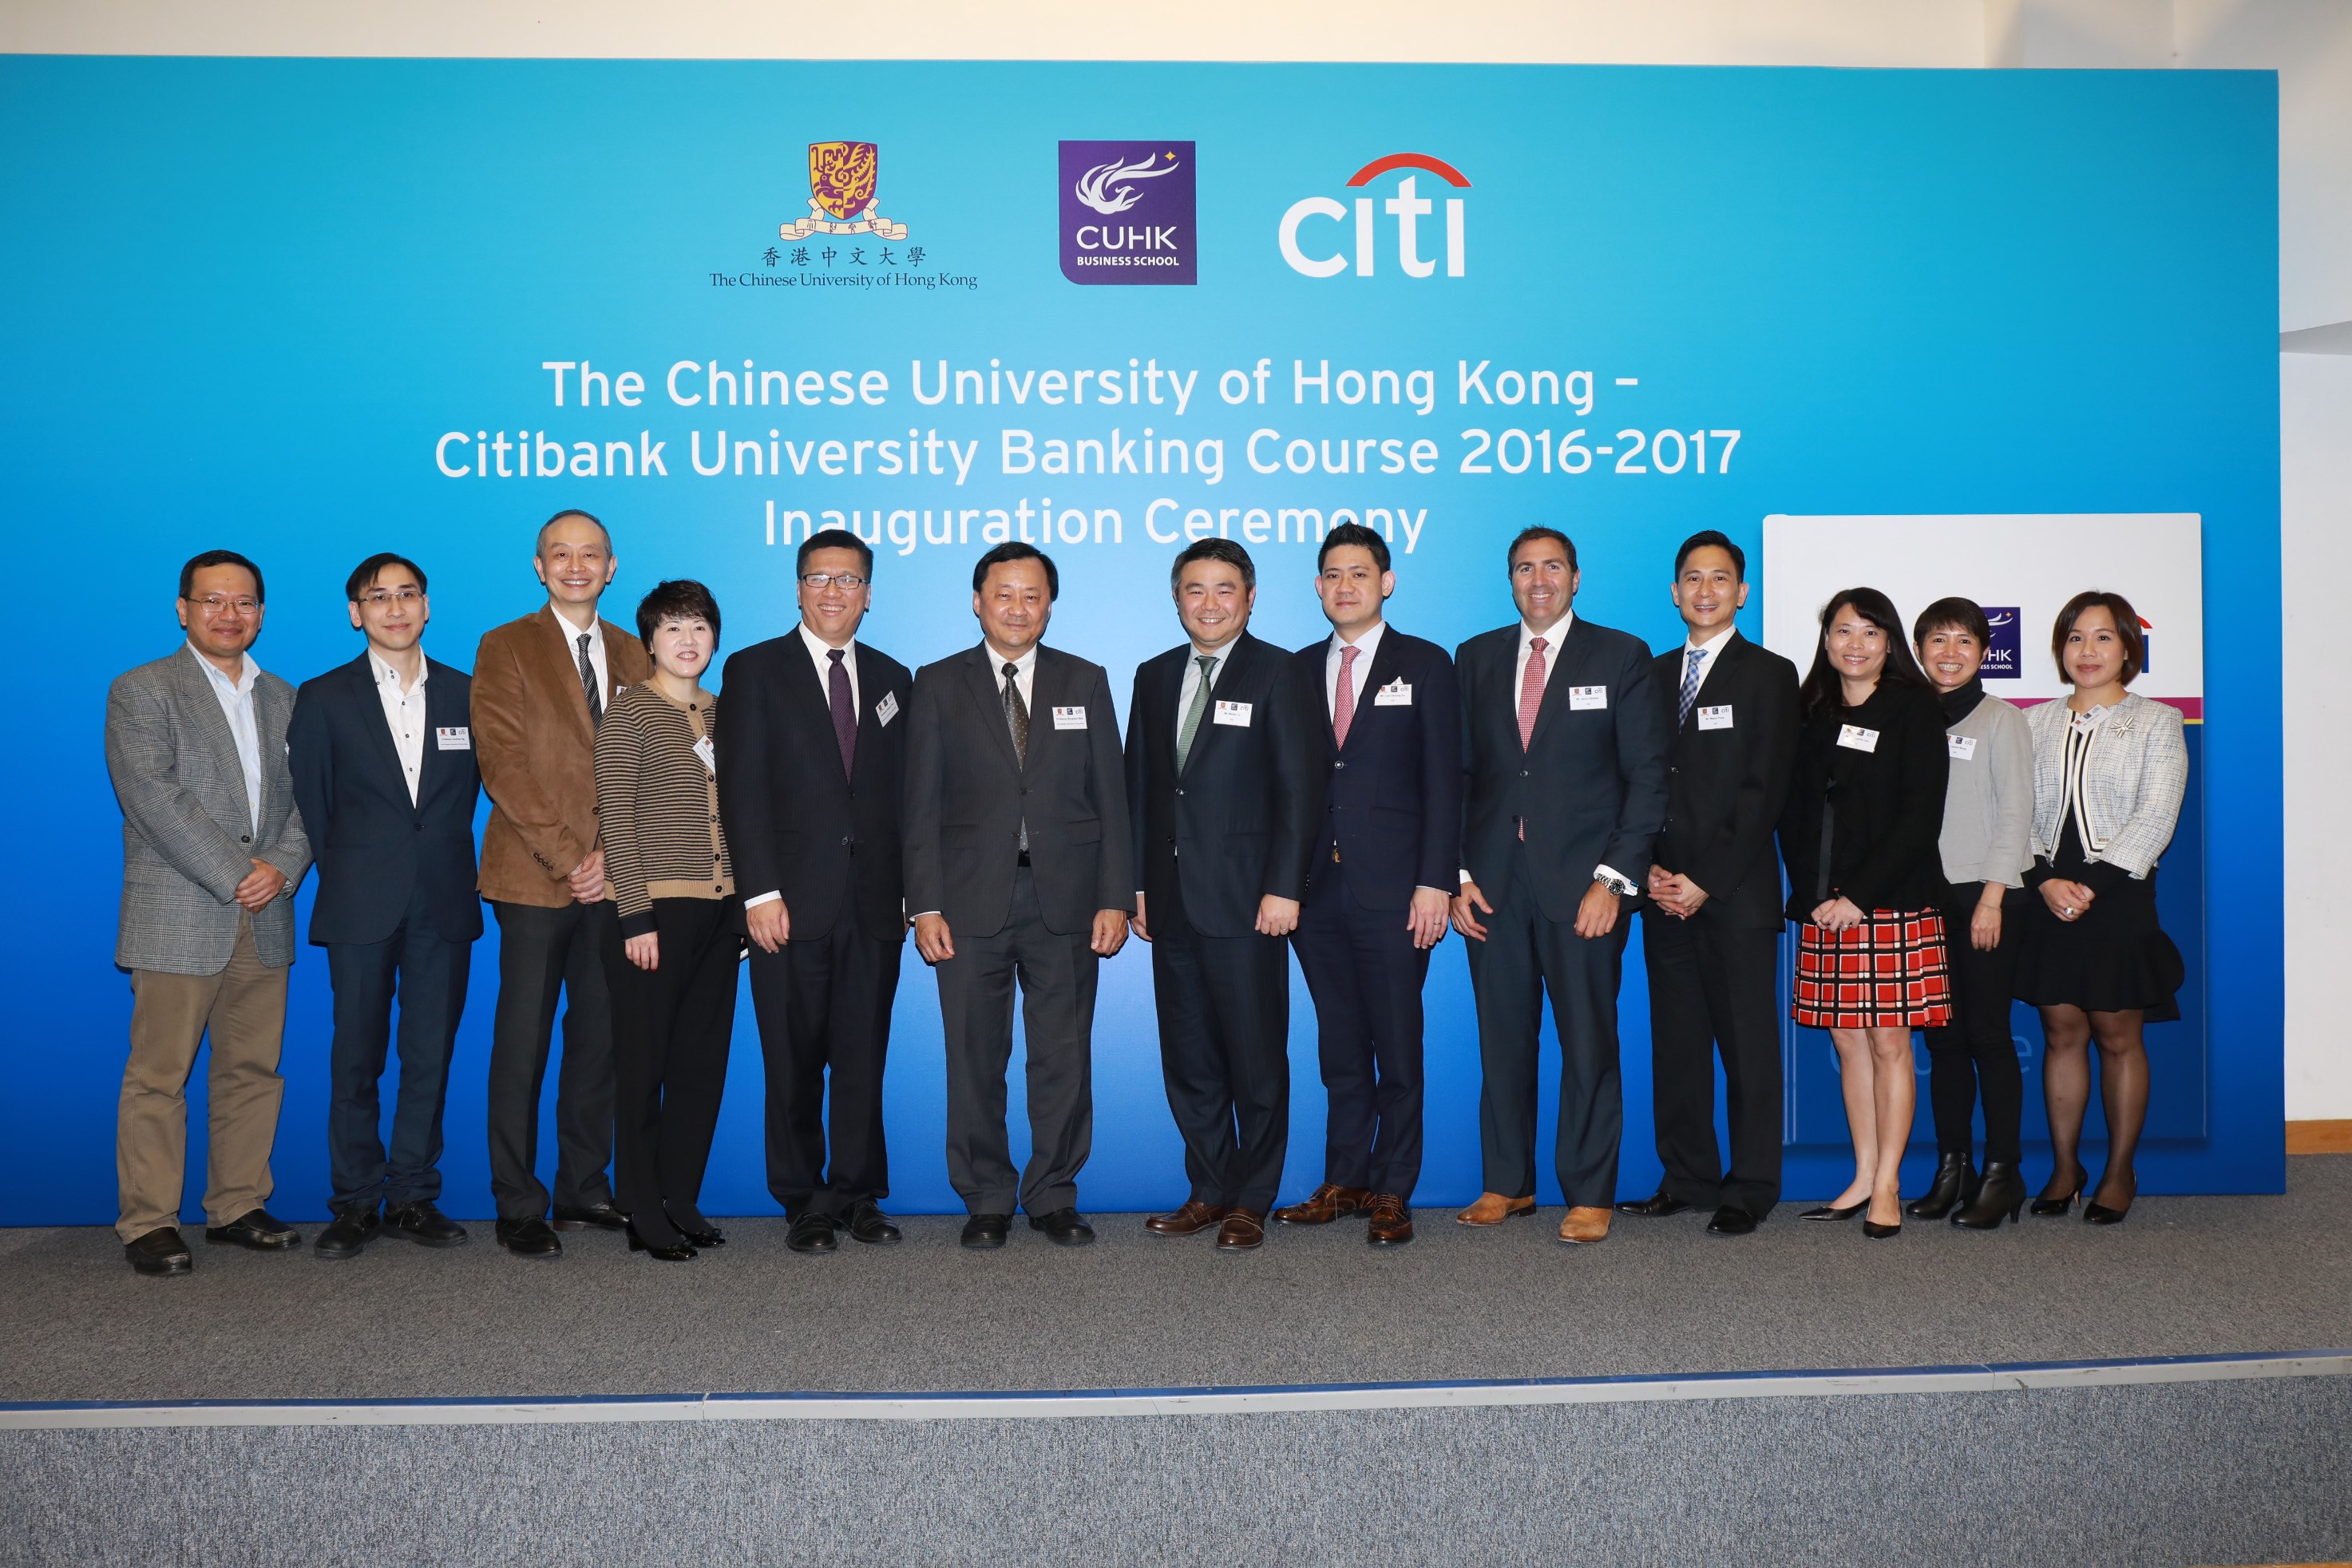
(2002, 651)
(1318, 238)
(845, 185)
(1128, 213)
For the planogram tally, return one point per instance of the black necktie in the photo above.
(589, 684)
(1016, 713)
(845, 712)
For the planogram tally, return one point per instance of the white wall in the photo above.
(2307, 42)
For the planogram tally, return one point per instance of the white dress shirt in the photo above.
(405, 711)
(595, 630)
(1025, 673)
(1368, 644)
(237, 706)
(1553, 637)
(1185, 693)
(819, 654)
(1714, 647)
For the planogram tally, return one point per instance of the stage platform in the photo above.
(1475, 1397)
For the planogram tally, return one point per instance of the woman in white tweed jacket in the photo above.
(2109, 768)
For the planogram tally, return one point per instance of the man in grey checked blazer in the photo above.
(212, 851)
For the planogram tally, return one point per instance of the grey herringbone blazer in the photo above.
(2134, 776)
(187, 836)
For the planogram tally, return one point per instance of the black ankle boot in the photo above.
(1955, 1184)
(2000, 1197)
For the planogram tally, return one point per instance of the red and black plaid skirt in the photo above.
(1888, 972)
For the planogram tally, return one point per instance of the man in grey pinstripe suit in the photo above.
(212, 851)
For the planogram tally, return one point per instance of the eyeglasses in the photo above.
(820, 581)
(382, 597)
(223, 605)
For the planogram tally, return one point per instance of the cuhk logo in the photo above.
(1128, 213)
(1311, 246)
(2001, 660)
(2146, 643)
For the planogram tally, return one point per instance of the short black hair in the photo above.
(2128, 631)
(571, 511)
(219, 558)
(364, 575)
(1014, 549)
(1823, 688)
(678, 599)
(835, 539)
(1715, 539)
(1527, 535)
(1357, 534)
(1223, 550)
(1965, 615)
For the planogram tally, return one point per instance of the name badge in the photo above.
(1583, 699)
(1715, 718)
(1962, 747)
(1234, 713)
(708, 752)
(1395, 694)
(887, 709)
(1856, 737)
(454, 738)
(1070, 718)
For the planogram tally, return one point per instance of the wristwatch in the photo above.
(1616, 884)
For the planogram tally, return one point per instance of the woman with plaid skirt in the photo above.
(1859, 837)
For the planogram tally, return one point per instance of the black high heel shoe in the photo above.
(2057, 1208)
(2002, 1193)
(1877, 1232)
(1830, 1212)
(1955, 1184)
(2095, 1212)
(678, 1254)
(702, 1235)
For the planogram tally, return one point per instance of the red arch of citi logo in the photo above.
(1313, 252)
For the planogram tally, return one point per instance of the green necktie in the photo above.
(1191, 725)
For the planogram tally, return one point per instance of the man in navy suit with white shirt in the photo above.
(1378, 882)
(382, 752)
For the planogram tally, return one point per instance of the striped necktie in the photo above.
(1690, 686)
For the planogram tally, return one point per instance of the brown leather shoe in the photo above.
(1392, 1223)
(1494, 1208)
(1585, 1225)
(1243, 1231)
(1331, 1201)
(1192, 1219)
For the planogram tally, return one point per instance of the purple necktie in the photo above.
(845, 711)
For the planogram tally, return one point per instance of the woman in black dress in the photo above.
(2109, 768)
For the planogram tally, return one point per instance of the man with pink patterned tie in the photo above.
(1564, 761)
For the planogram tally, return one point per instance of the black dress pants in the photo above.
(1524, 956)
(1057, 973)
(1715, 986)
(1365, 974)
(824, 1006)
(427, 975)
(671, 1028)
(544, 953)
(1224, 1004)
(1976, 1053)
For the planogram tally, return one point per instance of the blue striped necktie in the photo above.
(1690, 687)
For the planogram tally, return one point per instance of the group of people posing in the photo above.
(1347, 801)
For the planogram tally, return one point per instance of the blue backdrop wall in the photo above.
(296, 307)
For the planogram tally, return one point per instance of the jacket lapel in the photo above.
(980, 677)
(559, 652)
(369, 703)
(1383, 671)
(1564, 655)
(804, 687)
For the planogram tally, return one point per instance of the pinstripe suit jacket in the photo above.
(2133, 779)
(187, 835)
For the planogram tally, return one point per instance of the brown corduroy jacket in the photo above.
(538, 754)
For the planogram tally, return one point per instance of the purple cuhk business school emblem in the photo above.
(1128, 213)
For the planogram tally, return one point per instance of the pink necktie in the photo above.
(1343, 704)
(1531, 687)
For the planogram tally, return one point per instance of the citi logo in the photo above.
(1407, 206)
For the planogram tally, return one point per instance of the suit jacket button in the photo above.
(1337, 766)
(1180, 790)
(244, 838)
(1523, 773)
(845, 841)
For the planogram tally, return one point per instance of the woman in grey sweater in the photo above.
(1986, 846)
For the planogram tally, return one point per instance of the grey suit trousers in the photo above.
(1057, 975)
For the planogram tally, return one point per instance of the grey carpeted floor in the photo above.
(2183, 1276)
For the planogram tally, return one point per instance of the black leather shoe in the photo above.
(983, 1232)
(1657, 1206)
(1731, 1221)
(423, 1225)
(256, 1228)
(1829, 1212)
(865, 1222)
(810, 1232)
(1064, 1228)
(1955, 1183)
(350, 1229)
(597, 1216)
(2000, 1197)
(710, 1236)
(660, 1251)
(159, 1251)
(531, 1238)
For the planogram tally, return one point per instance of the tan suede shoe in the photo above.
(1585, 1225)
(1494, 1208)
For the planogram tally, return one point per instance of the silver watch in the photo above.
(1617, 885)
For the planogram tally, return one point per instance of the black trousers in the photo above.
(1365, 975)
(824, 1006)
(671, 1028)
(544, 953)
(1057, 974)
(1715, 986)
(1524, 956)
(427, 975)
(1976, 1053)
(1224, 1004)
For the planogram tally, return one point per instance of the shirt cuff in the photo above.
(1466, 874)
(756, 899)
(1617, 880)
(920, 915)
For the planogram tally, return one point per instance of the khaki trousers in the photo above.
(244, 1009)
